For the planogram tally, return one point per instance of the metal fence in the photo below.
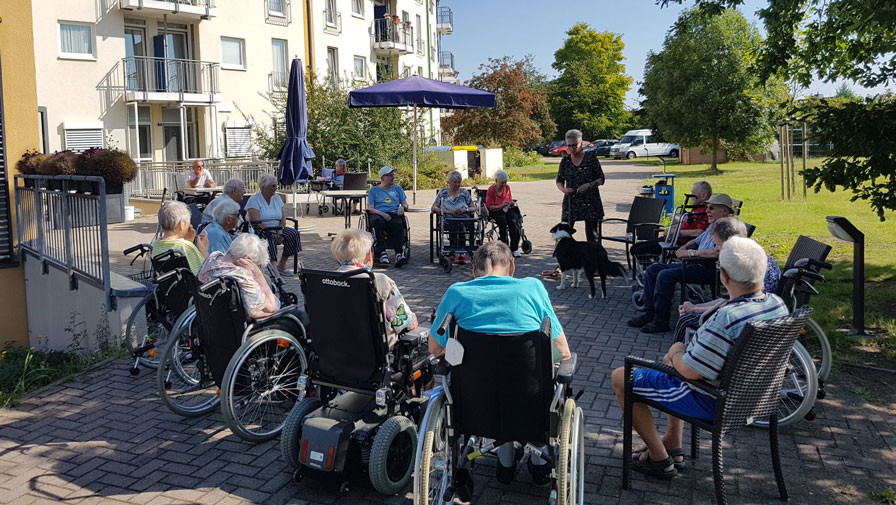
(813, 148)
(146, 74)
(386, 30)
(153, 177)
(62, 222)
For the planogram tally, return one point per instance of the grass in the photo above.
(887, 496)
(23, 370)
(779, 223)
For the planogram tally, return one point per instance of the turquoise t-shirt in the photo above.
(386, 200)
(497, 304)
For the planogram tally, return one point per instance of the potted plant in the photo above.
(58, 163)
(116, 168)
(28, 164)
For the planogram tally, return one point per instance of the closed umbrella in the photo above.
(295, 156)
(419, 91)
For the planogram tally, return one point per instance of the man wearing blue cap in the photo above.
(386, 204)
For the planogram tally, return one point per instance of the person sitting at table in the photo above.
(455, 202)
(386, 204)
(234, 189)
(200, 178)
(265, 209)
(179, 234)
(220, 231)
(339, 175)
(504, 211)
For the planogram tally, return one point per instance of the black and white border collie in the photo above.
(588, 258)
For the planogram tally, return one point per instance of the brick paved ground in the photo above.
(106, 438)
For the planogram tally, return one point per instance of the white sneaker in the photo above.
(384, 259)
(516, 254)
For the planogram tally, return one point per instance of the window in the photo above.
(237, 139)
(276, 7)
(360, 68)
(44, 137)
(76, 41)
(333, 65)
(358, 8)
(420, 71)
(81, 136)
(141, 133)
(233, 53)
(279, 50)
(331, 13)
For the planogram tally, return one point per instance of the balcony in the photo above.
(446, 64)
(332, 22)
(444, 21)
(392, 38)
(161, 80)
(177, 10)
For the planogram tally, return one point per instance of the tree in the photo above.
(589, 94)
(701, 89)
(844, 91)
(837, 39)
(520, 118)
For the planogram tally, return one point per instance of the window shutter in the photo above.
(83, 139)
(238, 142)
(6, 239)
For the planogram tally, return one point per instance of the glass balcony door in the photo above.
(135, 50)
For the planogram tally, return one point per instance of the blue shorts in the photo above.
(673, 393)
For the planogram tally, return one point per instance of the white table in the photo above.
(348, 196)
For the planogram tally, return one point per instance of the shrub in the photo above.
(515, 157)
(431, 173)
(115, 166)
(58, 163)
(30, 162)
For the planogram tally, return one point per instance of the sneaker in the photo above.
(505, 474)
(640, 321)
(400, 260)
(384, 258)
(516, 254)
(541, 474)
(462, 259)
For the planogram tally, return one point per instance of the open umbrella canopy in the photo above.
(422, 92)
(295, 155)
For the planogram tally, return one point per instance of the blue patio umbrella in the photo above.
(419, 91)
(295, 156)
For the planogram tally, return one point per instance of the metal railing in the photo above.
(62, 222)
(445, 16)
(195, 3)
(153, 177)
(162, 75)
(278, 81)
(446, 59)
(332, 22)
(386, 30)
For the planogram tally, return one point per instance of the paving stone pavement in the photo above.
(105, 437)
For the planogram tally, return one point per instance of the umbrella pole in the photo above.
(415, 155)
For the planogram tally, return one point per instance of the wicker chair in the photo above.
(643, 223)
(750, 385)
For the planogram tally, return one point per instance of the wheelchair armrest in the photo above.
(567, 369)
(440, 366)
(613, 220)
(415, 337)
(295, 222)
(267, 319)
(637, 362)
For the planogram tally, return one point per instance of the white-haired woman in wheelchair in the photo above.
(352, 249)
(265, 209)
(504, 211)
(244, 261)
(454, 202)
(227, 215)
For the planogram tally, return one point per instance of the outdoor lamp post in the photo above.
(841, 228)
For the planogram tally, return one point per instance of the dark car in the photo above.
(601, 147)
(546, 149)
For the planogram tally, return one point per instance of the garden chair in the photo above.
(643, 223)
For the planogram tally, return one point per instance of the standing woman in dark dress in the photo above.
(578, 179)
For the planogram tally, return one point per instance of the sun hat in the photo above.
(386, 171)
(721, 199)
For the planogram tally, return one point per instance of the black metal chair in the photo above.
(748, 390)
(643, 223)
(275, 233)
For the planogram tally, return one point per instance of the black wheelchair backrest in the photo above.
(172, 277)
(221, 321)
(354, 181)
(503, 388)
(348, 328)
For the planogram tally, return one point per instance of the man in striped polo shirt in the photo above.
(743, 265)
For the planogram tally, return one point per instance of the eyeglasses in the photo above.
(572, 145)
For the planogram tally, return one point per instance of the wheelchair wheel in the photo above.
(392, 455)
(571, 456)
(526, 246)
(432, 475)
(638, 300)
(260, 383)
(816, 343)
(145, 331)
(292, 430)
(446, 265)
(183, 378)
(799, 391)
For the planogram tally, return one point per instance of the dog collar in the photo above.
(557, 241)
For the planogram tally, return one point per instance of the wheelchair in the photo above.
(218, 355)
(368, 404)
(505, 389)
(492, 231)
(469, 236)
(364, 224)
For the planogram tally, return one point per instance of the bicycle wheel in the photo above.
(433, 474)
(260, 385)
(799, 391)
(816, 343)
(147, 331)
(183, 378)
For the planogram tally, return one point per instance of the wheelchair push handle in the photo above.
(804, 262)
(446, 322)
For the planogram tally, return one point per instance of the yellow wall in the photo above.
(20, 118)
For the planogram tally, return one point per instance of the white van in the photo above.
(637, 143)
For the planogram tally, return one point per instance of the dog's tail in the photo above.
(613, 268)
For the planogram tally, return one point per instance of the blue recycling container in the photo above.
(665, 189)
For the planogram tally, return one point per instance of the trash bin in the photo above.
(664, 189)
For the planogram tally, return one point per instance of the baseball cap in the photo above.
(386, 170)
(721, 199)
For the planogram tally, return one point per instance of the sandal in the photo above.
(677, 456)
(663, 469)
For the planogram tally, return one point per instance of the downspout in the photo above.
(429, 64)
(309, 37)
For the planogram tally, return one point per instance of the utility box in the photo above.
(491, 161)
(664, 189)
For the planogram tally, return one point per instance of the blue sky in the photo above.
(495, 28)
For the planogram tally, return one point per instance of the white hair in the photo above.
(340, 161)
(728, 227)
(223, 210)
(501, 175)
(247, 245)
(744, 261)
(267, 180)
(454, 175)
(574, 135)
(351, 245)
(705, 188)
(173, 213)
(233, 185)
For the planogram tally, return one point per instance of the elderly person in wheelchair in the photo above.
(386, 205)
(455, 205)
(481, 305)
(233, 191)
(220, 231)
(267, 215)
(504, 211)
(179, 234)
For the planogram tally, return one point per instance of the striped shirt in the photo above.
(709, 348)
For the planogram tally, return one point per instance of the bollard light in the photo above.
(841, 228)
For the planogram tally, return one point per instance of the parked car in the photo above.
(639, 143)
(601, 147)
(562, 150)
(546, 149)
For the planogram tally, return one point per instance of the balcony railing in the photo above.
(446, 60)
(144, 74)
(444, 20)
(332, 22)
(203, 9)
(393, 36)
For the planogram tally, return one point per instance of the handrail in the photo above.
(149, 74)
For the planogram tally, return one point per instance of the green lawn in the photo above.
(547, 170)
(779, 223)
